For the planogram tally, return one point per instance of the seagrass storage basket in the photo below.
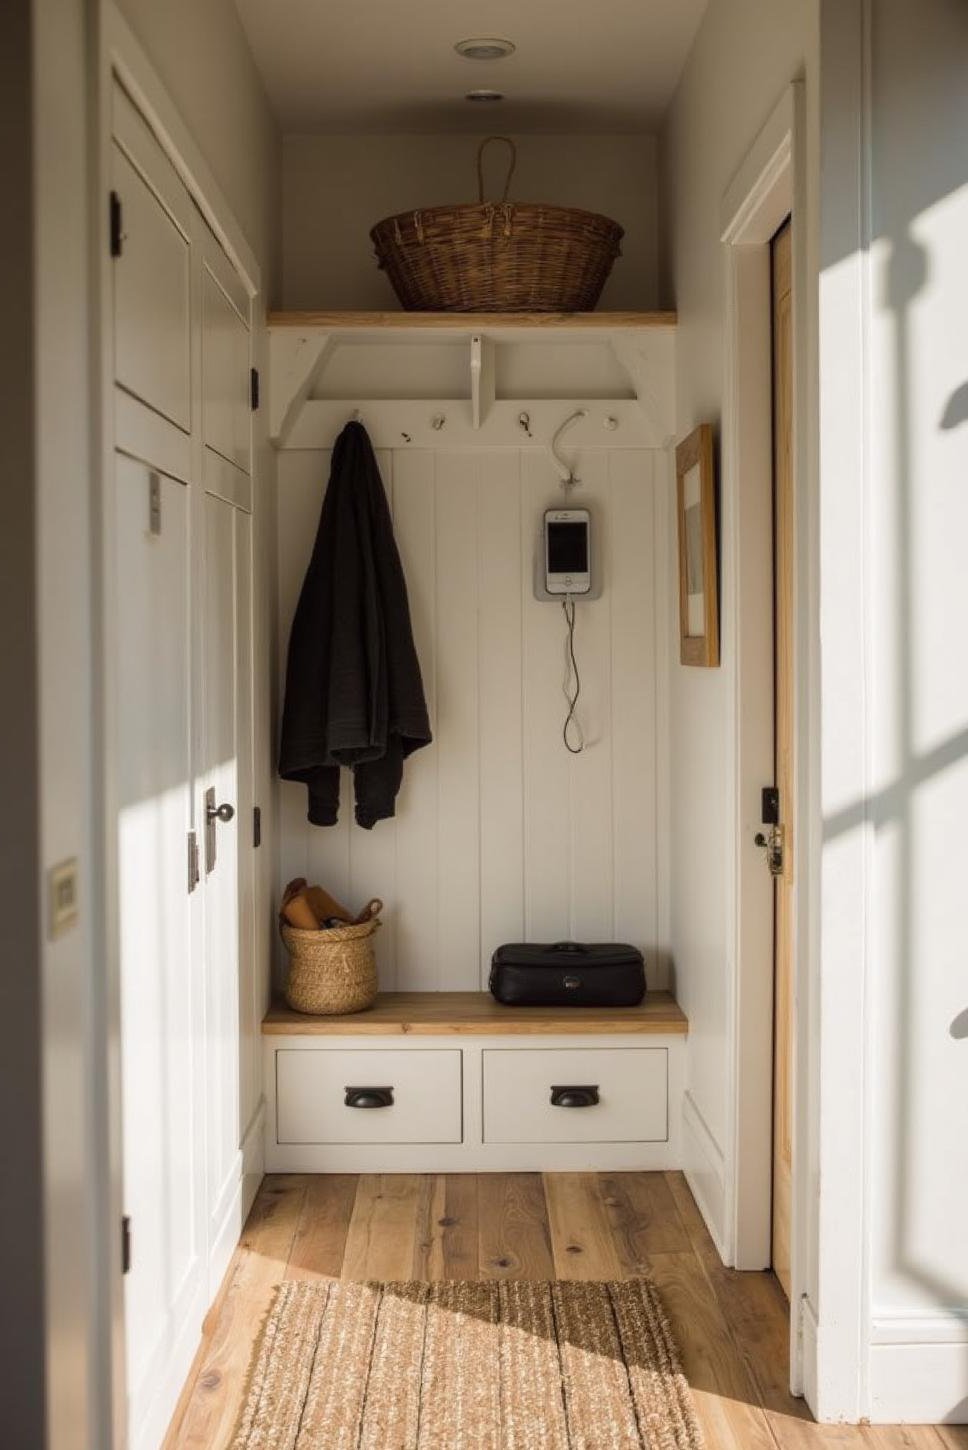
(497, 256)
(331, 971)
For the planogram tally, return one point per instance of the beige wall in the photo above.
(199, 49)
(745, 54)
(336, 187)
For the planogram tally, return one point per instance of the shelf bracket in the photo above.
(296, 366)
(482, 378)
(648, 364)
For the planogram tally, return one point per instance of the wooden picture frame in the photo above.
(698, 571)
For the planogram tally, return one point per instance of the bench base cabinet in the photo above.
(570, 1104)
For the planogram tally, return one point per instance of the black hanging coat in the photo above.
(354, 695)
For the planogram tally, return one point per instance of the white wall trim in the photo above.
(923, 1382)
(755, 204)
(928, 1328)
(133, 68)
(763, 181)
(805, 1350)
(704, 1166)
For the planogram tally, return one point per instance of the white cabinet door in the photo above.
(226, 395)
(152, 274)
(218, 787)
(419, 1092)
(162, 1006)
(618, 1096)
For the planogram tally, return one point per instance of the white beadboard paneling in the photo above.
(371, 865)
(590, 773)
(500, 834)
(415, 825)
(503, 563)
(634, 700)
(458, 740)
(547, 779)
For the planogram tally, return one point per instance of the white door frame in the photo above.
(769, 186)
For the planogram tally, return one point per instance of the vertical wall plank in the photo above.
(501, 569)
(416, 833)
(458, 795)
(592, 838)
(372, 854)
(666, 642)
(301, 483)
(634, 699)
(547, 777)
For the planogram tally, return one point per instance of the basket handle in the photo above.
(480, 166)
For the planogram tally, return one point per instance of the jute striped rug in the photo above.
(467, 1366)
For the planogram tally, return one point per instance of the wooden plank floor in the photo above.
(732, 1327)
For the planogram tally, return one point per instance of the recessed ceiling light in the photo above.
(482, 95)
(487, 47)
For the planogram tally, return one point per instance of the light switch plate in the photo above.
(63, 903)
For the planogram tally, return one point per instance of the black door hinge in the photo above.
(117, 236)
(125, 1244)
(254, 388)
(771, 806)
(257, 825)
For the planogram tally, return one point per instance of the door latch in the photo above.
(772, 843)
(214, 814)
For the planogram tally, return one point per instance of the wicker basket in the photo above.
(497, 256)
(332, 971)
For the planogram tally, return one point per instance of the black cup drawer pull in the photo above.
(575, 1097)
(369, 1097)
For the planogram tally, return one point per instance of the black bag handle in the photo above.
(573, 948)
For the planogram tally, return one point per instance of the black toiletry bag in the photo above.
(568, 974)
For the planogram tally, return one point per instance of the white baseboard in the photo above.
(705, 1170)
(169, 1371)
(919, 1369)
(253, 1158)
(808, 1354)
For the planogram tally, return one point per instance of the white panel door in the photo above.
(161, 998)
(225, 373)
(152, 309)
(218, 786)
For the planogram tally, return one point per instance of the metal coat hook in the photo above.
(524, 421)
(406, 437)
(566, 474)
(437, 421)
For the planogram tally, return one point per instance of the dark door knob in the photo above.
(585, 1096)
(369, 1097)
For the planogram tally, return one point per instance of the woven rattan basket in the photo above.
(497, 256)
(331, 971)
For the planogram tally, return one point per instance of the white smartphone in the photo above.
(568, 556)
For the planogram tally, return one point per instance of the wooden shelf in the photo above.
(476, 1014)
(471, 321)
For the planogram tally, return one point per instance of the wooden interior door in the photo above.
(781, 271)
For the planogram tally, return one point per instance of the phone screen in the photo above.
(568, 547)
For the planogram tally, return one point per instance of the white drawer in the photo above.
(311, 1093)
(631, 1085)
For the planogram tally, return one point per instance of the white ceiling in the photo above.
(390, 65)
